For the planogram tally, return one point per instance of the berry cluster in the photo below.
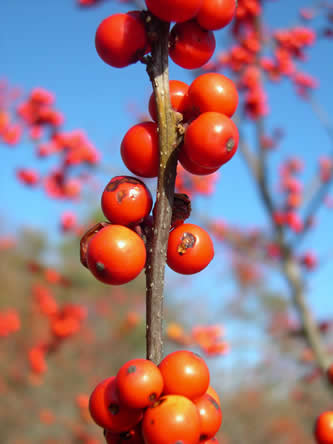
(166, 404)
(37, 116)
(210, 139)
(171, 403)
(116, 253)
(63, 322)
(122, 39)
(207, 338)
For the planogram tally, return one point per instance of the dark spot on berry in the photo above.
(126, 436)
(197, 355)
(113, 409)
(187, 241)
(121, 195)
(203, 437)
(152, 421)
(230, 144)
(114, 183)
(131, 369)
(215, 404)
(100, 267)
(152, 397)
(159, 402)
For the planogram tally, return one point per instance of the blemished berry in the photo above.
(126, 201)
(172, 419)
(116, 255)
(107, 411)
(210, 416)
(140, 383)
(190, 249)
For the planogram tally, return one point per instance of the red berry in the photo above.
(126, 201)
(193, 168)
(172, 419)
(139, 149)
(216, 14)
(213, 92)
(190, 249)
(133, 436)
(191, 46)
(106, 410)
(116, 255)
(178, 96)
(121, 39)
(211, 140)
(185, 373)
(324, 428)
(174, 11)
(139, 383)
(210, 416)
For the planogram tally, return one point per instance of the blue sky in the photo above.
(51, 44)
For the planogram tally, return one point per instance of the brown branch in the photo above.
(157, 69)
(318, 189)
(290, 267)
(292, 272)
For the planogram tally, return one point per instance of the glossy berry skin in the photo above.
(121, 39)
(190, 249)
(139, 149)
(190, 45)
(216, 14)
(185, 373)
(116, 255)
(213, 92)
(178, 97)
(126, 200)
(133, 436)
(170, 420)
(211, 140)
(140, 383)
(210, 416)
(174, 11)
(324, 428)
(193, 168)
(106, 410)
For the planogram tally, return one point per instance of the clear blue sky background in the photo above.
(51, 44)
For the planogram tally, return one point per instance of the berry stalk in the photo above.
(158, 71)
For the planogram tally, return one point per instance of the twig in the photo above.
(290, 267)
(157, 69)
